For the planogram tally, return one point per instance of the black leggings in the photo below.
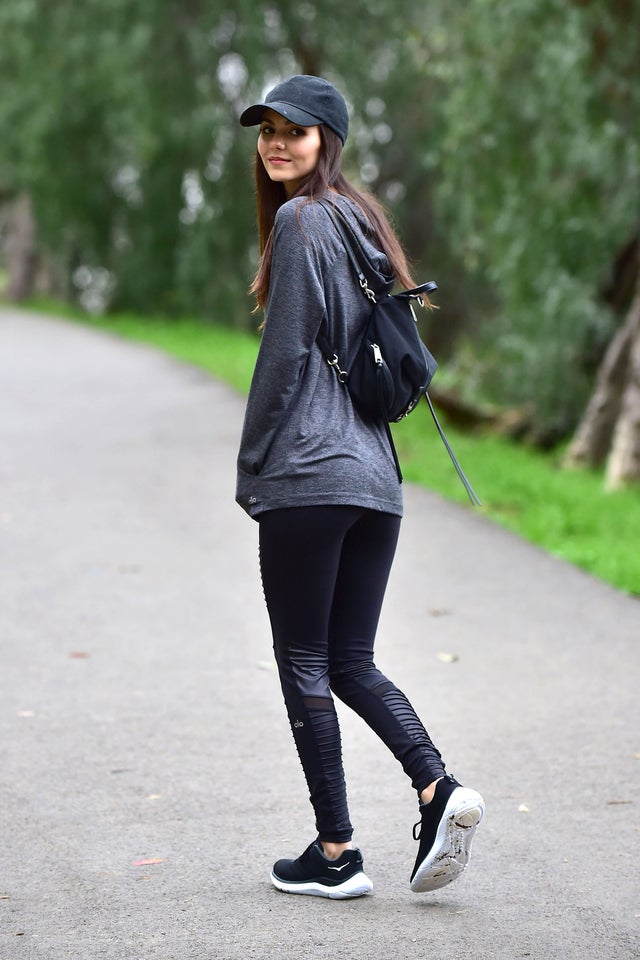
(324, 574)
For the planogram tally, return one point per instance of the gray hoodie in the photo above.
(303, 443)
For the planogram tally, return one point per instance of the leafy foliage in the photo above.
(539, 164)
(501, 136)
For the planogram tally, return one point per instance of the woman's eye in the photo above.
(268, 131)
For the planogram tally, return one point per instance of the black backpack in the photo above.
(389, 368)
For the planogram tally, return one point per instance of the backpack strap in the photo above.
(342, 226)
(347, 236)
(473, 496)
(331, 356)
(416, 293)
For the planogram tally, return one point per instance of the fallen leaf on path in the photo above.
(266, 664)
(439, 612)
(26, 713)
(523, 808)
(149, 861)
(447, 657)
(79, 655)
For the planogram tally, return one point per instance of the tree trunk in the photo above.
(623, 465)
(592, 440)
(610, 427)
(21, 247)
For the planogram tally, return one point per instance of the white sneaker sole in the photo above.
(356, 886)
(451, 849)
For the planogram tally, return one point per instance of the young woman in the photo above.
(323, 485)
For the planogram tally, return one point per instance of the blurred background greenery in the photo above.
(503, 138)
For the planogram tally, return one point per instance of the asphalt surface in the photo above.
(147, 775)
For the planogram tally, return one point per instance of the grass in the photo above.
(567, 513)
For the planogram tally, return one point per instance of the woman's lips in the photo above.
(278, 160)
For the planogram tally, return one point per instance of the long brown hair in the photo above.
(327, 175)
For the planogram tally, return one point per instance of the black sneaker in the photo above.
(317, 876)
(447, 826)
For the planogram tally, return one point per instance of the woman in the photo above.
(322, 484)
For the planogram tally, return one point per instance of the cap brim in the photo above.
(252, 116)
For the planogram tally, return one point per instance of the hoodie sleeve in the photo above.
(295, 309)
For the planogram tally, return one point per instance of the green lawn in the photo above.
(565, 512)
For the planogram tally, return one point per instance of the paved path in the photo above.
(140, 716)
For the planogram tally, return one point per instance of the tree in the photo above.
(610, 428)
(538, 179)
(21, 249)
(137, 171)
(501, 136)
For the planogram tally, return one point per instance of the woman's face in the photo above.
(289, 153)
